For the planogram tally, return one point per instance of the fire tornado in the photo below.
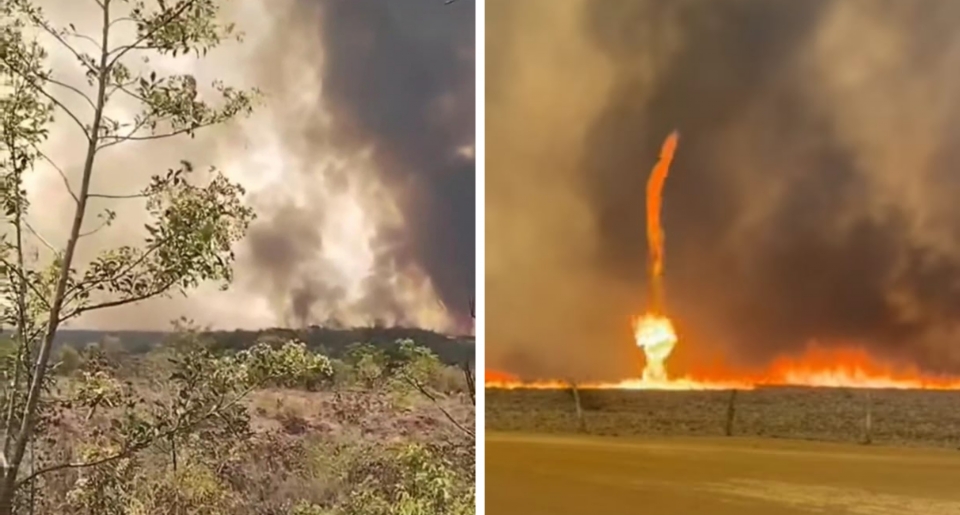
(653, 331)
(654, 229)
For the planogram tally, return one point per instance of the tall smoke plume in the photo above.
(812, 198)
(359, 164)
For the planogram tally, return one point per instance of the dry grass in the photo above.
(372, 415)
(316, 450)
(899, 417)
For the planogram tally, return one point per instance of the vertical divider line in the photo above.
(480, 321)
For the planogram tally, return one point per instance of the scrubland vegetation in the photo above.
(272, 429)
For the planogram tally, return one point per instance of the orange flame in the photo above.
(841, 367)
(656, 336)
(655, 236)
(654, 332)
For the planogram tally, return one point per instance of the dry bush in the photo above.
(284, 450)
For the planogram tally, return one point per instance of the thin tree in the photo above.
(194, 220)
(466, 368)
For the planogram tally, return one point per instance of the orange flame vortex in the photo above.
(653, 332)
(655, 237)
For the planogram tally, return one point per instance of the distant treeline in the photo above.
(332, 342)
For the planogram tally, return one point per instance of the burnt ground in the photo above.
(898, 417)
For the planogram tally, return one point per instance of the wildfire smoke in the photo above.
(790, 217)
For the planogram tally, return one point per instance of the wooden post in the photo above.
(867, 438)
(731, 412)
(581, 424)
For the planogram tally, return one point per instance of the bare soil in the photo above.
(558, 475)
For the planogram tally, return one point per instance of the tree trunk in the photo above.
(24, 435)
(6, 496)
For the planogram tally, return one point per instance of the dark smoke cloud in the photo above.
(807, 200)
(397, 78)
(359, 165)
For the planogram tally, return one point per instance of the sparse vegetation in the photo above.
(910, 417)
(271, 429)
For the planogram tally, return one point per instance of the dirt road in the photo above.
(543, 475)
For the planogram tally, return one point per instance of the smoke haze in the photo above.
(810, 197)
(359, 165)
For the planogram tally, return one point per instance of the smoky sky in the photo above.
(397, 78)
(358, 162)
(808, 200)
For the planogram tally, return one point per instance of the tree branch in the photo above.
(123, 88)
(85, 38)
(130, 137)
(89, 287)
(39, 237)
(21, 305)
(31, 81)
(416, 384)
(72, 88)
(50, 30)
(115, 139)
(120, 302)
(117, 197)
(122, 50)
(121, 19)
(63, 466)
(63, 175)
(100, 227)
(23, 279)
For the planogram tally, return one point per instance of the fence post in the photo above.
(867, 438)
(731, 412)
(581, 424)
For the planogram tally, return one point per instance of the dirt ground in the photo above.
(558, 475)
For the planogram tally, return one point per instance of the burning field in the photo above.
(823, 394)
(798, 229)
(655, 335)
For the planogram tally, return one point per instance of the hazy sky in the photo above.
(812, 196)
(359, 164)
